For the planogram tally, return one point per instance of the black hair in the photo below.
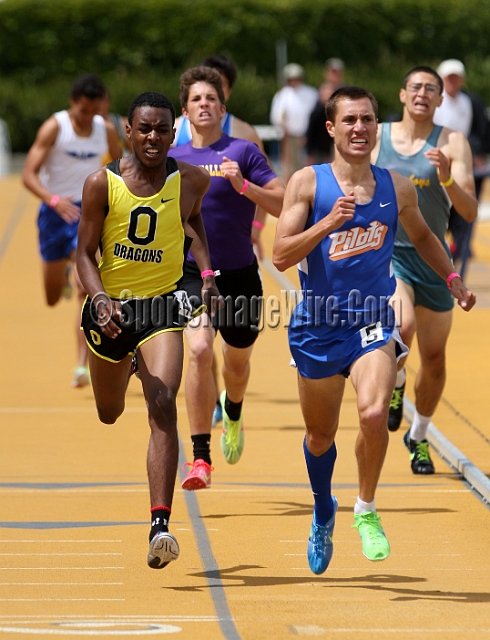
(223, 65)
(87, 86)
(348, 93)
(424, 69)
(151, 99)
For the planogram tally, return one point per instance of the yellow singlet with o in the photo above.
(142, 239)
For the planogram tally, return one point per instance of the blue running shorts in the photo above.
(322, 351)
(57, 238)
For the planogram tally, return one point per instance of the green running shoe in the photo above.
(395, 414)
(420, 459)
(375, 545)
(232, 437)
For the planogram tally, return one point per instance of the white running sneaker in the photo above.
(163, 549)
(81, 377)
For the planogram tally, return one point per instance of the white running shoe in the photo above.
(81, 377)
(163, 549)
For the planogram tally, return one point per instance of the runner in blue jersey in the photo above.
(241, 179)
(438, 162)
(338, 222)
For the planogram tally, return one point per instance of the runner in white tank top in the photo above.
(69, 146)
(73, 157)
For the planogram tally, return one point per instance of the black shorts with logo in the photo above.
(143, 318)
(239, 320)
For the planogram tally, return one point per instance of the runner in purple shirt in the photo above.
(227, 216)
(240, 179)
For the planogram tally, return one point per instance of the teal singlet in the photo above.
(433, 200)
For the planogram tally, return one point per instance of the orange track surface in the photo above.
(75, 508)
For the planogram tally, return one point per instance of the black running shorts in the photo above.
(143, 318)
(239, 320)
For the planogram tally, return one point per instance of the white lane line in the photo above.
(71, 584)
(294, 541)
(97, 629)
(67, 541)
(60, 554)
(59, 568)
(82, 490)
(411, 489)
(139, 490)
(313, 630)
(349, 542)
(121, 618)
(24, 410)
(62, 599)
(457, 460)
(62, 410)
(364, 569)
(398, 555)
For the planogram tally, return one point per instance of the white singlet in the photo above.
(73, 158)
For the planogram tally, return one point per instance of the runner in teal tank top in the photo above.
(438, 162)
(430, 289)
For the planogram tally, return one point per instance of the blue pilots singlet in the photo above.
(357, 256)
(346, 281)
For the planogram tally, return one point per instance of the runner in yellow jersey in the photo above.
(139, 210)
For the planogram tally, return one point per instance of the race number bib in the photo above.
(371, 333)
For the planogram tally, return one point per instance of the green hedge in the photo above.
(139, 45)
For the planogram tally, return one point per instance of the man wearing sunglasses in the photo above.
(438, 161)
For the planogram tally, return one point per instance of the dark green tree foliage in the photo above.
(140, 45)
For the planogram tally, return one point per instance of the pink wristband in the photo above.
(258, 224)
(245, 186)
(450, 278)
(207, 272)
(54, 201)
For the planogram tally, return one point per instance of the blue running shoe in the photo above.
(217, 415)
(320, 545)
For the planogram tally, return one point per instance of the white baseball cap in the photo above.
(451, 67)
(293, 70)
(335, 63)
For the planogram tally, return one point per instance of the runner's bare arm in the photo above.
(426, 243)
(197, 181)
(293, 242)
(94, 206)
(375, 151)
(455, 159)
(45, 139)
(270, 197)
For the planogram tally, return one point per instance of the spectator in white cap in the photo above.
(290, 110)
(463, 111)
(455, 111)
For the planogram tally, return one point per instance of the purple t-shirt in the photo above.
(227, 215)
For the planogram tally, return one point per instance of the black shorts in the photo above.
(143, 318)
(239, 320)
